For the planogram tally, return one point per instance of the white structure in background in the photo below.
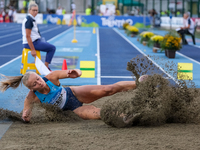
(73, 5)
(178, 6)
(81, 5)
(1, 4)
(107, 10)
(176, 22)
(59, 11)
(164, 6)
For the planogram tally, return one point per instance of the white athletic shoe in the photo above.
(143, 78)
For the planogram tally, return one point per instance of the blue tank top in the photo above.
(57, 95)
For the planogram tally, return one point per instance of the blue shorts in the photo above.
(44, 46)
(72, 102)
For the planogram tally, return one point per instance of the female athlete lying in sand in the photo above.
(49, 90)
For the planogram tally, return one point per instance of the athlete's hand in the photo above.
(26, 116)
(74, 73)
(33, 53)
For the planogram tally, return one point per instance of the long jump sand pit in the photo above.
(78, 134)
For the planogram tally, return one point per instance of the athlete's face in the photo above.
(33, 11)
(35, 82)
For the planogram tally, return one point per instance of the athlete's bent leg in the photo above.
(90, 93)
(88, 112)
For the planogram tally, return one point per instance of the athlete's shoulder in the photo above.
(31, 96)
(53, 77)
(30, 18)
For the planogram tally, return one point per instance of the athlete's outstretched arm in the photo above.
(28, 105)
(62, 74)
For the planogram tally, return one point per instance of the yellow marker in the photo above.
(74, 41)
(63, 22)
(88, 69)
(58, 21)
(93, 31)
(75, 22)
(185, 71)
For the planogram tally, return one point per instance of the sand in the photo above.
(95, 134)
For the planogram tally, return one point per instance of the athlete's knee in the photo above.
(53, 48)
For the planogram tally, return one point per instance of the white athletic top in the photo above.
(30, 23)
(190, 22)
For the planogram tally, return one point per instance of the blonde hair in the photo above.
(32, 4)
(13, 82)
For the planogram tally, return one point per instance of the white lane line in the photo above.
(9, 55)
(2, 28)
(10, 43)
(195, 46)
(10, 61)
(188, 58)
(7, 30)
(51, 29)
(4, 126)
(98, 59)
(146, 56)
(10, 26)
(15, 26)
(40, 27)
(125, 77)
(7, 35)
(21, 39)
(29, 51)
(60, 34)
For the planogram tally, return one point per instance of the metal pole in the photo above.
(139, 7)
(146, 6)
(17, 6)
(92, 7)
(131, 5)
(175, 8)
(118, 4)
(70, 6)
(160, 7)
(190, 8)
(153, 4)
(145, 14)
(142, 9)
(198, 8)
(122, 7)
(183, 9)
(84, 5)
(144, 17)
(5, 4)
(47, 6)
(167, 7)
